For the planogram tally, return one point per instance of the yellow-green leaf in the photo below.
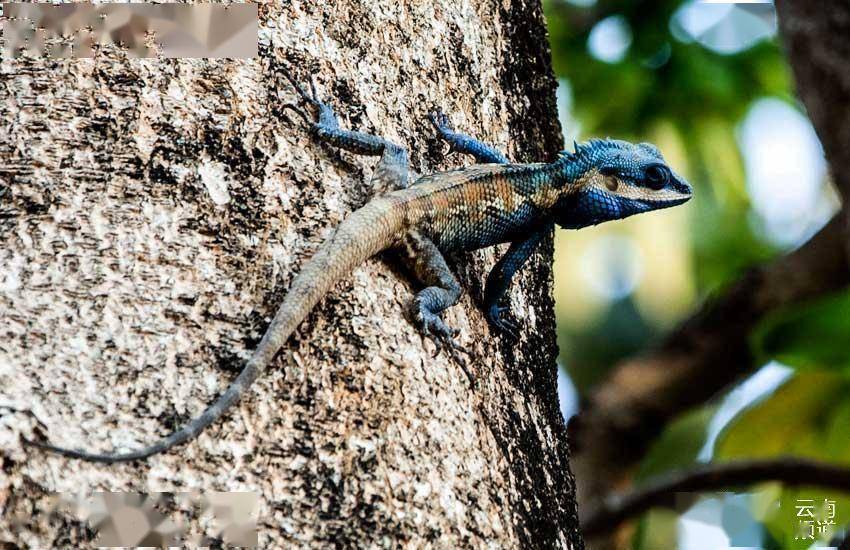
(679, 445)
(815, 335)
(800, 419)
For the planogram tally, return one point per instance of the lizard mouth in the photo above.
(655, 204)
(677, 192)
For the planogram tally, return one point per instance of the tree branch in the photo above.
(712, 477)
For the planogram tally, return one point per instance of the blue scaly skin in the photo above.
(467, 209)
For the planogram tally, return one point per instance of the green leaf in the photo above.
(679, 445)
(784, 525)
(814, 335)
(657, 529)
(805, 417)
(808, 416)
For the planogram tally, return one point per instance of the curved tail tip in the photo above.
(89, 457)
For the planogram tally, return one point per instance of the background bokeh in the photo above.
(708, 84)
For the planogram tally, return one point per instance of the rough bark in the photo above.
(154, 213)
(709, 351)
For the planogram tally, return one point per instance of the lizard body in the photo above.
(467, 209)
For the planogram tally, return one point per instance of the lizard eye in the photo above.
(657, 176)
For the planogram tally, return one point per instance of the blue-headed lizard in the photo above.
(475, 207)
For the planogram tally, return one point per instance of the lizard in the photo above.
(489, 203)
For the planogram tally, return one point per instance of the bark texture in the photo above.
(151, 217)
(709, 351)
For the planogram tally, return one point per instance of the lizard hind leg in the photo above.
(442, 290)
(392, 170)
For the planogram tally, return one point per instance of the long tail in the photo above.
(362, 235)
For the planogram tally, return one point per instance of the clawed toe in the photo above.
(312, 98)
(456, 351)
(443, 336)
(439, 120)
(297, 110)
(444, 128)
(324, 115)
(434, 326)
(502, 325)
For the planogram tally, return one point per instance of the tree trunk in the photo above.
(154, 214)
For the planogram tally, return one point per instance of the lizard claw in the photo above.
(455, 350)
(434, 326)
(500, 324)
(323, 112)
(443, 336)
(311, 98)
(441, 123)
(298, 110)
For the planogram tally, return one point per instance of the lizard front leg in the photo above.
(499, 279)
(463, 143)
(392, 169)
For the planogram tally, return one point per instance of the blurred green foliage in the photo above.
(703, 96)
(814, 335)
(657, 529)
(808, 416)
(679, 445)
(597, 350)
(694, 87)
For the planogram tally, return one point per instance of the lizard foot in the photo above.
(443, 336)
(500, 324)
(441, 123)
(325, 116)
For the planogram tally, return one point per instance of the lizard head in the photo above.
(616, 179)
